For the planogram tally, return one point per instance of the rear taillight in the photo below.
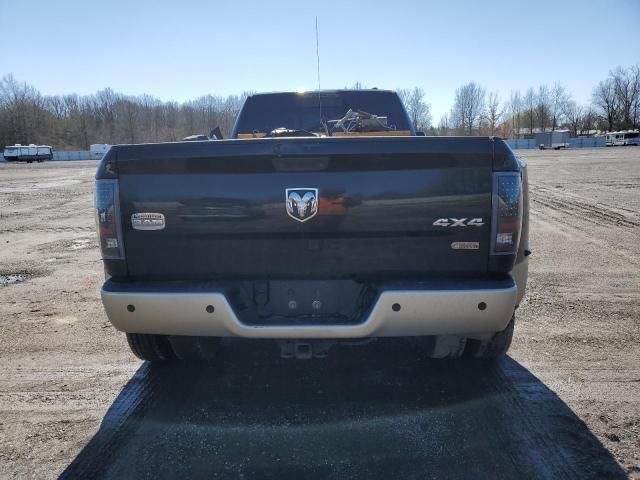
(108, 219)
(507, 213)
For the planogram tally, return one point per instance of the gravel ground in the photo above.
(565, 403)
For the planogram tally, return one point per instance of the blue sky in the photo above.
(180, 50)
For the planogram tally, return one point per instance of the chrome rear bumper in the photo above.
(483, 309)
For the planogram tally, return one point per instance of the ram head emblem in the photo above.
(302, 203)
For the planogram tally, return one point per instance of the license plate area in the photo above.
(301, 302)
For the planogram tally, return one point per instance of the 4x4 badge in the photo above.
(301, 203)
(458, 222)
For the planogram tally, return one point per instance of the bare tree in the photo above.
(515, 111)
(72, 121)
(404, 94)
(57, 106)
(626, 87)
(79, 123)
(574, 114)
(588, 121)
(604, 98)
(25, 113)
(635, 110)
(127, 113)
(147, 127)
(443, 125)
(559, 98)
(494, 112)
(229, 111)
(418, 109)
(105, 109)
(189, 120)
(86, 121)
(543, 107)
(468, 107)
(529, 102)
(168, 119)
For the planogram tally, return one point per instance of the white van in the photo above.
(615, 139)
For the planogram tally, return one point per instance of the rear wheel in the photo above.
(494, 347)
(153, 348)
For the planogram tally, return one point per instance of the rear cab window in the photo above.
(303, 111)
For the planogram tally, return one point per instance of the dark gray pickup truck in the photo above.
(325, 218)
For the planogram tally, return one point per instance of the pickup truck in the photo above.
(325, 219)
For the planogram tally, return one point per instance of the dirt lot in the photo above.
(565, 403)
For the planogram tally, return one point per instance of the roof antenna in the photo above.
(318, 62)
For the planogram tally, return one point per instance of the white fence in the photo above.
(76, 155)
(516, 144)
(578, 142)
(587, 142)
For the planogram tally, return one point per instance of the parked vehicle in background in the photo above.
(98, 150)
(557, 139)
(325, 218)
(621, 139)
(28, 153)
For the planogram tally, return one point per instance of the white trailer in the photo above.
(28, 153)
(97, 150)
(557, 139)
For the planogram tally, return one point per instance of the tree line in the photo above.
(70, 122)
(614, 105)
(73, 122)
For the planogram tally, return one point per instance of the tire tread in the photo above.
(153, 348)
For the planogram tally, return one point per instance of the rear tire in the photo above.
(494, 348)
(153, 348)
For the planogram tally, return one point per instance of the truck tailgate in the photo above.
(224, 205)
